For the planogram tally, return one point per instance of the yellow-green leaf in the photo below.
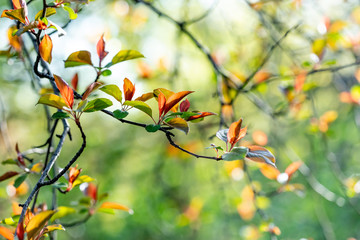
(62, 211)
(117, 206)
(37, 223)
(140, 105)
(52, 100)
(124, 55)
(17, 14)
(97, 105)
(49, 12)
(78, 58)
(178, 123)
(82, 179)
(54, 227)
(113, 90)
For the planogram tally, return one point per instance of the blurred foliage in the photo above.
(303, 105)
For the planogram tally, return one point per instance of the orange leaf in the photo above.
(129, 89)
(92, 87)
(17, 4)
(16, 209)
(299, 81)
(269, 172)
(15, 41)
(293, 167)
(234, 132)
(74, 81)
(66, 92)
(260, 137)
(73, 175)
(117, 206)
(37, 223)
(145, 97)
(161, 103)
(201, 115)
(91, 191)
(6, 233)
(174, 99)
(261, 76)
(100, 47)
(45, 48)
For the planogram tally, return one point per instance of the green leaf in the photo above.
(139, 105)
(20, 180)
(72, 14)
(52, 100)
(62, 211)
(152, 127)
(237, 153)
(106, 72)
(17, 14)
(78, 58)
(120, 114)
(124, 55)
(113, 91)
(59, 185)
(49, 12)
(97, 105)
(60, 115)
(178, 123)
(9, 161)
(106, 210)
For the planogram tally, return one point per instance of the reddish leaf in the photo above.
(174, 99)
(19, 155)
(66, 92)
(184, 105)
(234, 132)
(293, 167)
(73, 175)
(6, 233)
(8, 175)
(90, 89)
(20, 232)
(74, 81)
(129, 89)
(45, 48)
(145, 97)
(91, 191)
(100, 47)
(161, 103)
(17, 4)
(201, 115)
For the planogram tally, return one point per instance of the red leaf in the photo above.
(100, 47)
(66, 92)
(92, 87)
(201, 115)
(19, 155)
(161, 103)
(20, 231)
(8, 175)
(234, 132)
(129, 89)
(293, 167)
(74, 81)
(174, 99)
(91, 191)
(184, 105)
(45, 48)
(73, 175)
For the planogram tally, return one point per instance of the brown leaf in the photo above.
(234, 132)
(8, 175)
(74, 81)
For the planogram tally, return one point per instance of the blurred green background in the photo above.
(173, 195)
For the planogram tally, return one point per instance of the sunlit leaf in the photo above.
(17, 14)
(113, 91)
(174, 99)
(100, 48)
(61, 212)
(8, 175)
(269, 171)
(200, 115)
(78, 58)
(97, 105)
(235, 132)
(318, 47)
(37, 223)
(161, 103)
(112, 205)
(54, 227)
(74, 172)
(237, 153)
(140, 105)
(37, 168)
(15, 41)
(292, 168)
(83, 179)
(91, 191)
(66, 92)
(106, 72)
(92, 87)
(120, 114)
(260, 154)
(124, 55)
(178, 123)
(129, 89)
(145, 97)
(49, 12)
(45, 48)
(72, 14)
